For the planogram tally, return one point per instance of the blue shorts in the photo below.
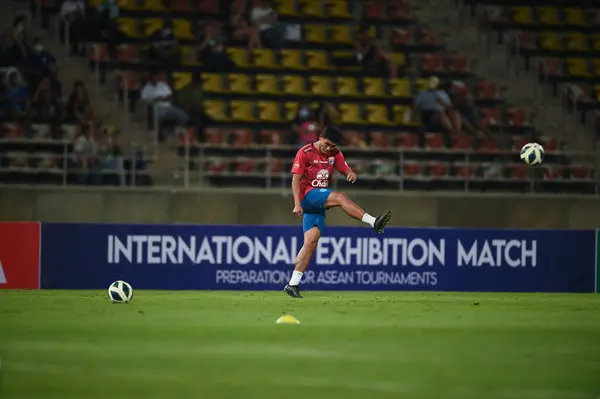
(313, 205)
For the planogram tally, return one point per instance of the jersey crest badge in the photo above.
(331, 161)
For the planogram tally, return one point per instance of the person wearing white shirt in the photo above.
(264, 17)
(159, 94)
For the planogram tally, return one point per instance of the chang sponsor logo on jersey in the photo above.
(322, 179)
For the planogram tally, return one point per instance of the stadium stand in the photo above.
(255, 84)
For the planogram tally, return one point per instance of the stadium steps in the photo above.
(461, 33)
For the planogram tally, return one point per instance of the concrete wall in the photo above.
(275, 207)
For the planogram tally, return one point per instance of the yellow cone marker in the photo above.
(287, 319)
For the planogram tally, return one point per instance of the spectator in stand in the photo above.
(19, 36)
(305, 126)
(16, 97)
(163, 48)
(159, 94)
(109, 158)
(465, 105)
(85, 154)
(264, 17)
(39, 63)
(46, 103)
(371, 55)
(436, 110)
(80, 107)
(107, 13)
(242, 29)
(9, 55)
(73, 13)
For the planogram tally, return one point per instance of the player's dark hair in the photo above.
(332, 133)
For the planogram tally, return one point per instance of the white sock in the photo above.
(296, 277)
(368, 219)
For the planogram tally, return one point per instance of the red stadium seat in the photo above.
(516, 171)
(41, 132)
(461, 88)
(374, 10)
(490, 116)
(487, 91)
(128, 80)
(550, 67)
(458, 63)
(187, 137)
(488, 145)
(216, 165)
(244, 165)
(214, 136)
(550, 172)
(242, 137)
(127, 53)
(380, 139)
(518, 142)
(517, 117)
(353, 138)
(401, 37)
(461, 142)
(580, 172)
(275, 165)
(465, 170)
(398, 10)
(550, 144)
(407, 140)
(431, 63)
(180, 5)
(206, 6)
(525, 40)
(97, 52)
(434, 141)
(272, 137)
(412, 169)
(438, 169)
(12, 131)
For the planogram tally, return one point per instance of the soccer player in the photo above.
(312, 171)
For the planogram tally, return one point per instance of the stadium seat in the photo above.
(206, 6)
(437, 169)
(315, 33)
(377, 114)
(242, 137)
(458, 63)
(578, 67)
(516, 171)
(214, 136)
(374, 10)
(243, 111)
(267, 84)
(346, 86)
(213, 83)
(182, 79)
(488, 145)
(290, 110)
(374, 87)
(180, 6)
(351, 113)
(412, 169)
(274, 166)
(400, 88)
(581, 172)
(272, 137)
(127, 53)
(239, 56)
(465, 170)
(490, 116)
(292, 59)
(398, 58)
(317, 59)
(244, 165)
(97, 52)
(576, 41)
(287, 8)
(189, 56)
(461, 142)
(401, 37)
(407, 141)
(517, 117)
(434, 141)
(311, 8)
(550, 144)
(398, 10)
(240, 83)
(294, 85)
(518, 142)
(428, 37)
(182, 29)
(320, 85)
(550, 41)
(574, 16)
(431, 63)
(41, 132)
(551, 172)
(487, 91)
(128, 80)
(352, 138)
(215, 166)
(341, 34)
(270, 111)
(380, 139)
(129, 27)
(216, 109)
(265, 58)
(337, 9)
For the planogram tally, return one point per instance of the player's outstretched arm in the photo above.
(342, 166)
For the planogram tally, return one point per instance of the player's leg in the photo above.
(312, 233)
(339, 199)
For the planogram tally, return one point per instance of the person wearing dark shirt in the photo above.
(17, 97)
(40, 60)
(164, 45)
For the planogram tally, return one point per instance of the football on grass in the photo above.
(120, 292)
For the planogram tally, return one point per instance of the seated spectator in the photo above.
(109, 158)
(464, 103)
(264, 17)
(73, 13)
(216, 58)
(46, 104)
(160, 95)
(164, 45)
(243, 30)
(80, 107)
(85, 154)
(17, 97)
(39, 63)
(436, 110)
(304, 125)
(371, 55)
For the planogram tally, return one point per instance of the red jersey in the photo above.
(317, 168)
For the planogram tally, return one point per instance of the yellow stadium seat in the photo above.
(317, 59)
(181, 79)
(337, 8)
(286, 7)
(596, 62)
(154, 5)
(399, 58)
(239, 56)
(351, 114)
(576, 41)
(574, 16)
(398, 112)
(377, 114)
(595, 41)
(189, 56)
(242, 111)
(213, 83)
(320, 85)
(239, 83)
(400, 88)
(266, 84)
(311, 8)
(347, 55)
(291, 110)
(341, 34)
(421, 84)
(522, 15)
(151, 25)
(270, 111)
(129, 27)
(182, 29)
(265, 58)
(314, 33)
(128, 5)
(294, 85)
(374, 87)
(216, 109)
(578, 67)
(346, 86)
(548, 15)
(291, 59)
(550, 41)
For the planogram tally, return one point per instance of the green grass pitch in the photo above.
(213, 345)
